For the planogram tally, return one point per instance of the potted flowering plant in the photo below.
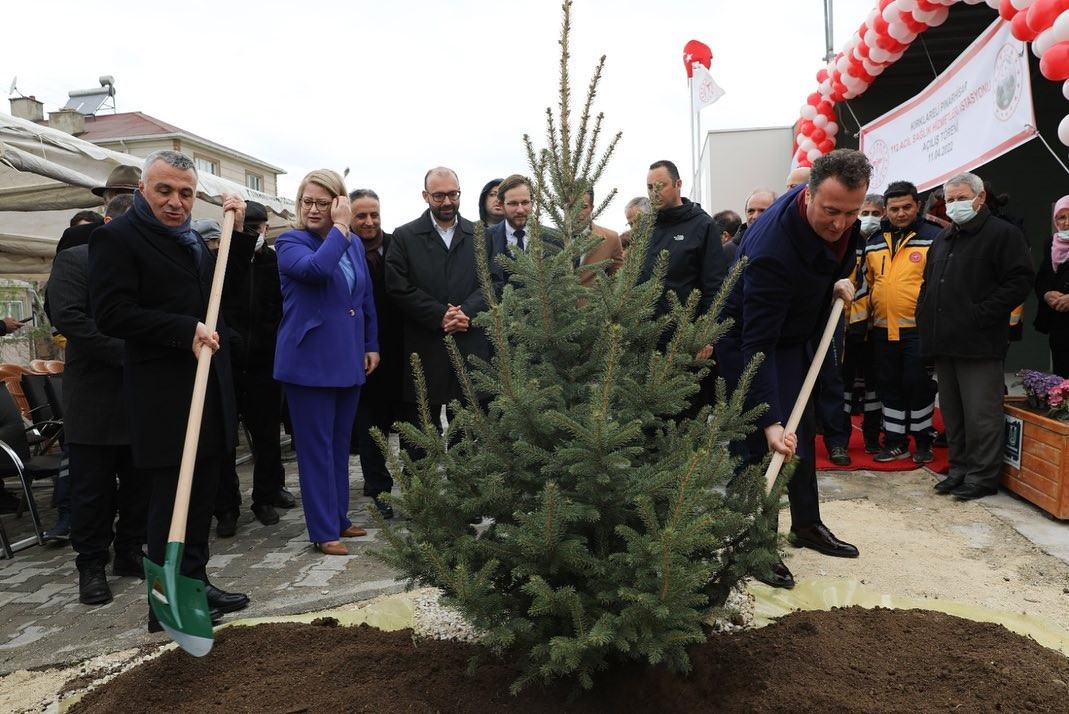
(1037, 387)
(1058, 401)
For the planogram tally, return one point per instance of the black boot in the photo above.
(93, 585)
(226, 524)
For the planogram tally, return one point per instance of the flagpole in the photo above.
(693, 150)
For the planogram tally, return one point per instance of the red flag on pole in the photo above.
(695, 51)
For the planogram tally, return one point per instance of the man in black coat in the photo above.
(96, 431)
(431, 275)
(150, 277)
(978, 270)
(252, 307)
(381, 393)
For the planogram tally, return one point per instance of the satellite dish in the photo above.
(14, 82)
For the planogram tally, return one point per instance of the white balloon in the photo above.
(973, 2)
(825, 88)
(842, 64)
(820, 121)
(1063, 130)
(1060, 28)
(1043, 42)
(993, 4)
(808, 111)
(831, 128)
(890, 13)
(813, 154)
(1065, 89)
(940, 17)
(906, 5)
(872, 68)
(898, 30)
(1021, 4)
(925, 16)
(807, 144)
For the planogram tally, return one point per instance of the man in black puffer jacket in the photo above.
(696, 260)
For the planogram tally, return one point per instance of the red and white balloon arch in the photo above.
(886, 35)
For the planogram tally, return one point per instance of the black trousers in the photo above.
(259, 402)
(1059, 353)
(373, 413)
(199, 521)
(103, 483)
(830, 405)
(904, 387)
(802, 493)
(859, 383)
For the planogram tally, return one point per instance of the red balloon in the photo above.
(695, 51)
(1006, 10)
(813, 99)
(826, 146)
(914, 26)
(806, 127)
(818, 135)
(1019, 28)
(1055, 62)
(827, 108)
(822, 74)
(926, 6)
(1042, 14)
(880, 26)
(884, 4)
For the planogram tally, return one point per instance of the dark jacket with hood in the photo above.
(976, 274)
(696, 259)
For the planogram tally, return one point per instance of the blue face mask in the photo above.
(869, 224)
(1062, 235)
(961, 211)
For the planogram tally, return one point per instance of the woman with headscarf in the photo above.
(327, 345)
(1052, 289)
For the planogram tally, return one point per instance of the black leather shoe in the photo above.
(131, 563)
(822, 540)
(224, 601)
(155, 626)
(385, 509)
(778, 577)
(93, 586)
(226, 524)
(972, 491)
(265, 513)
(59, 533)
(947, 485)
(284, 499)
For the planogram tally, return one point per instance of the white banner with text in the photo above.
(975, 111)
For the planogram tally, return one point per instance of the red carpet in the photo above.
(862, 461)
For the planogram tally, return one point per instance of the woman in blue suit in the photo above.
(327, 345)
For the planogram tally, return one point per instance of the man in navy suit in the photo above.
(798, 256)
(510, 235)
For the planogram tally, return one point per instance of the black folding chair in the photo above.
(16, 460)
(45, 412)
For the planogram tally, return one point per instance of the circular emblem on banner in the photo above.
(880, 157)
(915, 257)
(1008, 80)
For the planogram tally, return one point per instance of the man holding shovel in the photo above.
(797, 256)
(150, 277)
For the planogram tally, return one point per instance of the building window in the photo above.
(206, 166)
(254, 181)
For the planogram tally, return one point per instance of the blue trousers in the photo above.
(322, 420)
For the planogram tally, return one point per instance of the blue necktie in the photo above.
(519, 238)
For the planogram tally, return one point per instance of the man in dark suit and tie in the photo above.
(150, 276)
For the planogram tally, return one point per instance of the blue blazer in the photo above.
(326, 327)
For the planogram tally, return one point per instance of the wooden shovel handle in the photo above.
(200, 384)
(807, 388)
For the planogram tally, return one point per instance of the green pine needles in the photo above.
(617, 520)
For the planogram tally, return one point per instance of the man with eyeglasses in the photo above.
(634, 208)
(431, 275)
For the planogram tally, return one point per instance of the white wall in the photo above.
(736, 161)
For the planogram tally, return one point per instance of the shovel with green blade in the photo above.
(178, 602)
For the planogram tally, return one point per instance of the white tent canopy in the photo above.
(45, 174)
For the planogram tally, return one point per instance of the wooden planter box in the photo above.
(1036, 461)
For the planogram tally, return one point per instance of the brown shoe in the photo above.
(332, 548)
(353, 532)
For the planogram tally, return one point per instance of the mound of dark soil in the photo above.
(846, 660)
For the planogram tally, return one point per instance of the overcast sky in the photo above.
(390, 89)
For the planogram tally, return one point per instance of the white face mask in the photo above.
(961, 211)
(1062, 235)
(869, 225)
(259, 242)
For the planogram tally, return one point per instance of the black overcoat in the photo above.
(424, 277)
(149, 291)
